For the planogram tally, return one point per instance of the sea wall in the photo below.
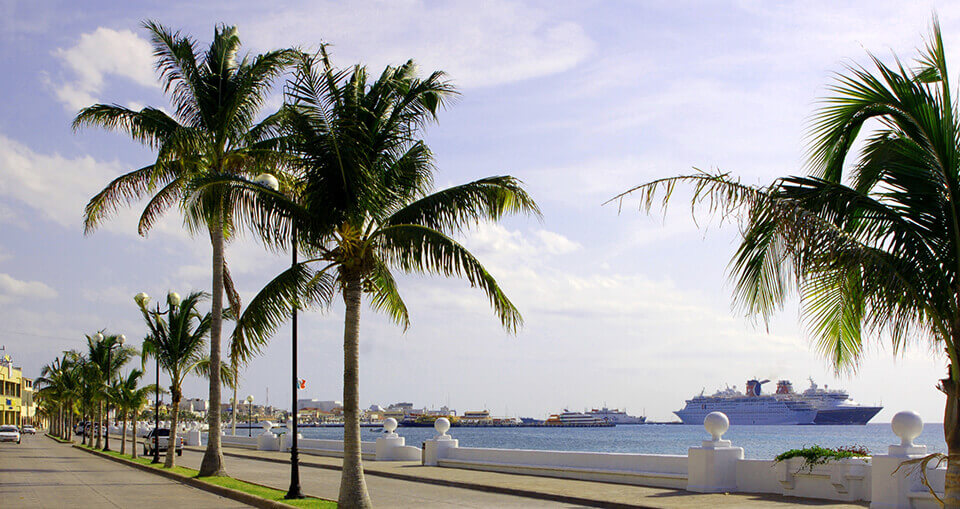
(662, 470)
(718, 466)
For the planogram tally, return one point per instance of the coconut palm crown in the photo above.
(358, 200)
(217, 95)
(871, 241)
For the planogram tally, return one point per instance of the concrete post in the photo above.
(712, 467)
(435, 448)
(389, 442)
(891, 490)
(267, 441)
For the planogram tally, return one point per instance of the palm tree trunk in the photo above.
(353, 488)
(212, 463)
(123, 435)
(98, 424)
(174, 424)
(233, 404)
(951, 432)
(133, 437)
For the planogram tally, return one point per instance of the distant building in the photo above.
(11, 389)
(195, 405)
(323, 406)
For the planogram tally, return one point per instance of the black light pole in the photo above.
(250, 415)
(119, 342)
(173, 300)
(294, 491)
(269, 181)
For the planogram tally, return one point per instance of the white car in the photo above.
(28, 430)
(9, 433)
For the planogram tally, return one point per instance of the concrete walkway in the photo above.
(40, 473)
(408, 484)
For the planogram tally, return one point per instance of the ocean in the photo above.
(758, 442)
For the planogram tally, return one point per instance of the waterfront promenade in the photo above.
(390, 482)
(40, 473)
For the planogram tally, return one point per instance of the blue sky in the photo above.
(581, 100)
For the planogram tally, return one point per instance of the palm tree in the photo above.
(130, 400)
(359, 206)
(872, 248)
(216, 96)
(58, 389)
(105, 356)
(178, 346)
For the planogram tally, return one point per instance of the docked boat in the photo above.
(751, 407)
(616, 416)
(576, 419)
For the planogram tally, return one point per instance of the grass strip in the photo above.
(256, 490)
(58, 439)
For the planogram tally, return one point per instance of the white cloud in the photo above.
(100, 54)
(56, 187)
(478, 43)
(554, 243)
(12, 287)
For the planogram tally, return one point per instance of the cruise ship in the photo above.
(834, 406)
(751, 407)
(616, 416)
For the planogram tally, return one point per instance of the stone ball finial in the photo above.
(442, 425)
(907, 425)
(266, 425)
(390, 424)
(716, 423)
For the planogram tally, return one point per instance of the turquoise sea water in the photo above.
(759, 442)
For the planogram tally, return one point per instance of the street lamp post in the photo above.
(294, 491)
(143, 300)
(250, 415)
(119, 343)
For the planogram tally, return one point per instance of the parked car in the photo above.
(28, 430)
(161, 439)
(9, 433)
(91, 428)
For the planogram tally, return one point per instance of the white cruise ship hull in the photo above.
(748, 414)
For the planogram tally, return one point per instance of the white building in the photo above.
(195, 405)
(322, 405)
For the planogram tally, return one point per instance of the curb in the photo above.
(225, 492)
(539, 495)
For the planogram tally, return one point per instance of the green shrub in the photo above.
(817, 455)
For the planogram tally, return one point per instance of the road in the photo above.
(40, 473)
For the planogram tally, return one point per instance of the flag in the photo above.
(302, 384)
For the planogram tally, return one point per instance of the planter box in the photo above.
(847, 479)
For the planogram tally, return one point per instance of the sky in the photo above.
(581, 100)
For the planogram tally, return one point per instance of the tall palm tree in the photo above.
(873, 247)
(178, 346)
(216, 95)
(360, 207)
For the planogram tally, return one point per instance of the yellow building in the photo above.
(28, 403)
(11, 388)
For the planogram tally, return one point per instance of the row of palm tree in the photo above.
(340, 172)
(85, 385)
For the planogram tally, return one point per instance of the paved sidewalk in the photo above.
(320, 476)
(40, 473)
